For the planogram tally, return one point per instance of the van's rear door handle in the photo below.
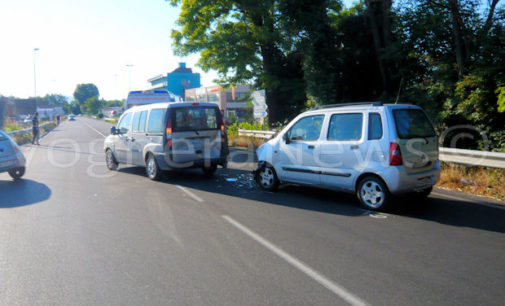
(311, 147)
(354, 147)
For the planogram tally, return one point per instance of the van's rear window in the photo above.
(2, 137)
(194, 118)
(412, 123)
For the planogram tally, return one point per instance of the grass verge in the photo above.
(488, 182)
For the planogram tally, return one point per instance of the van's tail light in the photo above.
(395, 154)
(169, 133)
(220, 123)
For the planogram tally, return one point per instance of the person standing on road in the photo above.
(225, 150)
(58, 119)
(35, 128)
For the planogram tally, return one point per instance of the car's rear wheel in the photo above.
(152, 169)
(111, 161)
(423, 193)
(267, 178)
(373, 193)
(17, 173)
(209, 171)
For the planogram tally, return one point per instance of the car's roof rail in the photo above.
(377, 103)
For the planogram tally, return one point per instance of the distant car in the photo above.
(12, 159)
(71, 118)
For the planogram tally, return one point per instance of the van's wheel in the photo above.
(267, 178)
(373, 193)
(110, 160)
(152, 169)
(17, 173)
(209, 171)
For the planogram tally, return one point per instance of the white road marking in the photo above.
(94, 129)
(466, 200)
(189, 193)
(315, 275)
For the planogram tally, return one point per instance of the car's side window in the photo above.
(374, 126)
(155, 124)
(307, 128)
(136, 119)
(344, 127)
(124, 124)
(139, 122)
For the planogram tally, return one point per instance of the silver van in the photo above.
(167, 136)
(371, 149)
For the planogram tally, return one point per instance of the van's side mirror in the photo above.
(113, 130)
(286, 138)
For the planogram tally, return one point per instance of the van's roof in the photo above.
(169, 105)
(359, 106)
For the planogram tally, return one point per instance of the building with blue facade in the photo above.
(176, 81)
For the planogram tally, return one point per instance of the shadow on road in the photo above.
(240, 184)
(22, 193)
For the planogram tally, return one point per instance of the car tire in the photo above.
(209, 171)
(266, 178)
(110, 160)
(373, 193)
(153, 171)
(17, 173)
(423, 193)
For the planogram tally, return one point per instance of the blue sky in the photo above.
(88, 41)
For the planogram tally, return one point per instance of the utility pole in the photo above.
(35, 73)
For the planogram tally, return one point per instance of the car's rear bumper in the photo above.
(165, 162)
(12, 161)
(400, 182)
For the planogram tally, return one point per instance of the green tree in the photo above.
(93, 105)
(245, 42)
(85, 91)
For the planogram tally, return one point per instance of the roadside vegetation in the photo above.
(446, 56)
(481, 181)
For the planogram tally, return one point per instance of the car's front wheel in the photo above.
(152, 169)
(110, 160)
(267, 178)
(373, 193)
(17, 173)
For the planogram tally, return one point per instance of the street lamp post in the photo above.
(35, 73)
(129, 76)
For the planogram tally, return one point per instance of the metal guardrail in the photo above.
(26, 131)
(451, 155)
(473, 158)
(257, 134)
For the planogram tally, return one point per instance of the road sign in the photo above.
(258, 97)
(260, 114)
(261, 107)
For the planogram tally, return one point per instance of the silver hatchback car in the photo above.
(12, 159)
(371, 149)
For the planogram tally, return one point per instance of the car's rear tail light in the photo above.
(195, 104)
(16, 149)
(395, 154)
(169, 133)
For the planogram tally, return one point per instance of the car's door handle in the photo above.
(354, 147)
(311, 146)
(132, 139)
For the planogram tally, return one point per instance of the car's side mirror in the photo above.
(113, 131)
(286, 138)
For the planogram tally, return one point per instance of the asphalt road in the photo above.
(73, 233)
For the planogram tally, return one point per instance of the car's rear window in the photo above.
(194, 118)
(412, 123)
(2, 137)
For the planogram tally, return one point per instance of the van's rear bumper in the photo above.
(165, 162)
(400, 182)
